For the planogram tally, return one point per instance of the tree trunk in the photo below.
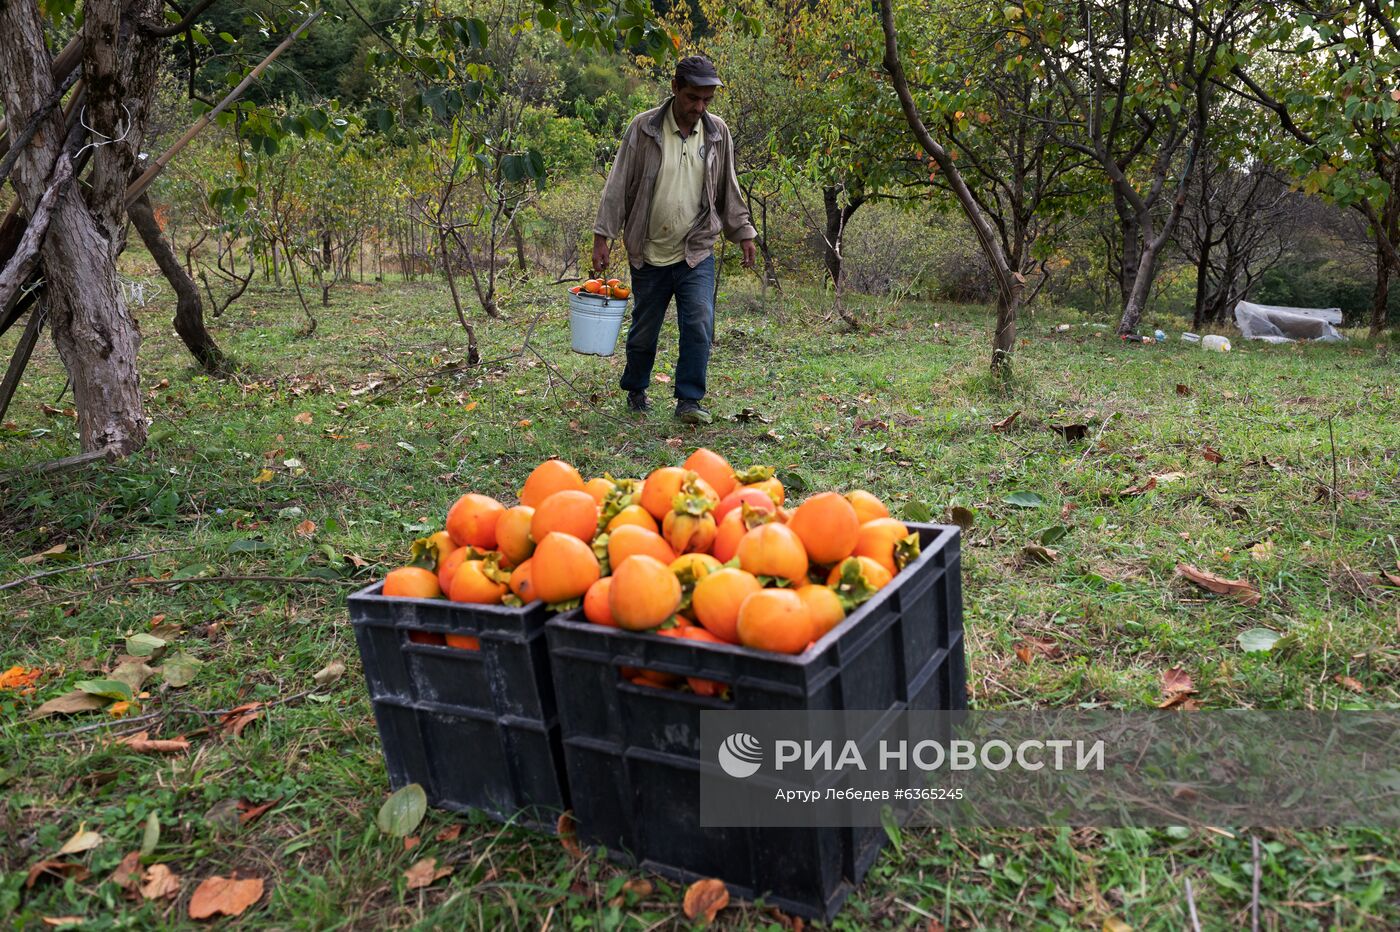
(1380, 297)
(96, 336)
(327, 269)
(520, 250)
(1202, 280)
(1143, 276)
(1130, 246)
(1004, 338)
(836, 219)
(189, 308)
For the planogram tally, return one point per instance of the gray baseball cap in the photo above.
(697, 71)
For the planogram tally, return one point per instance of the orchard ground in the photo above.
(325, 456)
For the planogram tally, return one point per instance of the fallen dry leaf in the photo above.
(247, 811)
(640, 888)
(359, 561)
(1039, 553)
(40, 557)
(1177, 688)
(329, 673)
(1177, 680)
(1135, 490)
(567, 830)
(303, 418)
(1003, 424)
(69, 703)
(1349, 683)
(1263, 551)
(236, 719)
(425, 873)
(411, 842)
(1165, 477)
(19, 679)
(1024, 654)
(161, 883)
(1212, 455)
(58, 870)
(1114, 924)
(1239, 589)
(1043, 646)
(1071, 432)
(143, 743)
(306, 528)
(59, 921)
(82, 840)
(128, 872)
(228, 896)
(451, 833)
(1183, 389)
(705, 898)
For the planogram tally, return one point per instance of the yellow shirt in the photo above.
(675, 201)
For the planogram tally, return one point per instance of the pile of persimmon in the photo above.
(699, 551)
(603, 288)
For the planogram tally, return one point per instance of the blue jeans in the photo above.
(653, 286)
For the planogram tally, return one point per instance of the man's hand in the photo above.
(600, 253)
(748, 247)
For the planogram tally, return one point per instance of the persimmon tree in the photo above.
(1329, 74)
(116, 49)
(1010, 281)
(1134, 84)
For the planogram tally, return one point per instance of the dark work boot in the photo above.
(691, 413)
(637, 402)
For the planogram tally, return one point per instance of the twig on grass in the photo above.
(1191, 907)
(224, 579)
(1254, 892)
(173, 710)
(60, 465)
(1094, 444)
(206, 579)
(84, 566)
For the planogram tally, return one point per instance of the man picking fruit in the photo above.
(673, 190)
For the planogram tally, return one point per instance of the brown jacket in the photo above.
(626, 203)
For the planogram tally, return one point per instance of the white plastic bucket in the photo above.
(594, 323)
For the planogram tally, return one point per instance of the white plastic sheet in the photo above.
(1274, 324)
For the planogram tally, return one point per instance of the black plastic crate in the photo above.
(633, 752)
(477, 729)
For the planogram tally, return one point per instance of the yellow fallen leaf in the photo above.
(424, 873)
(82, 840)
(306, 528)
(266, 475)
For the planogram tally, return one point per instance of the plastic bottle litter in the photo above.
(1217, 343)
(1190, 338)
(1159, 336)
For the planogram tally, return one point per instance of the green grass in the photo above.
(902, 408)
